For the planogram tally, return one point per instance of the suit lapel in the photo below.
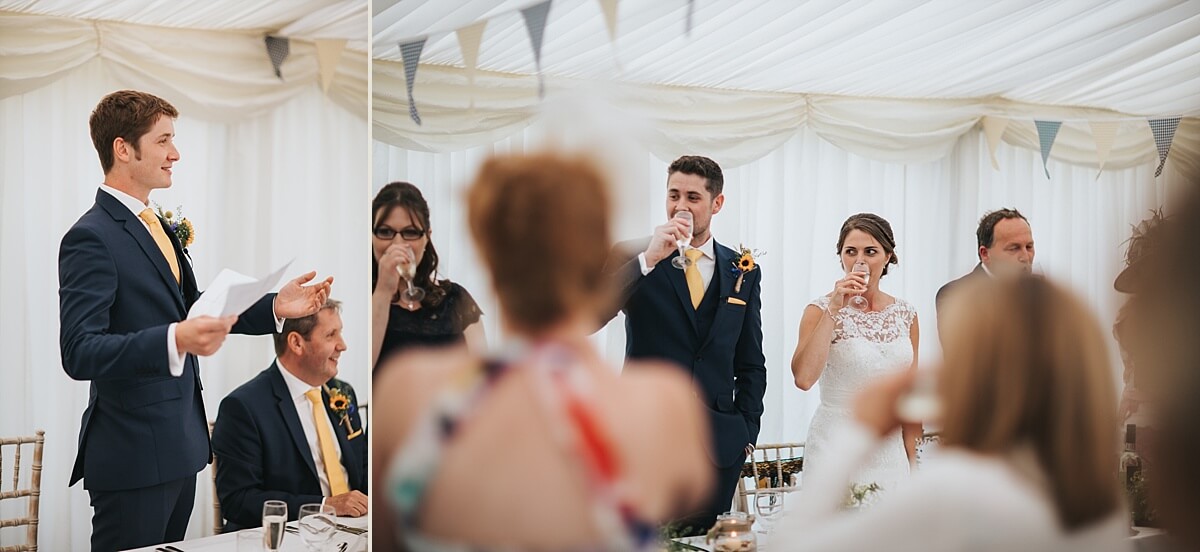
(287, 409)
(679, 282)
(723, 278)
(137, 229)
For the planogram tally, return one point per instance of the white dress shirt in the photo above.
(304, 409)
(174, 357)
(707, 263)
(957, 501)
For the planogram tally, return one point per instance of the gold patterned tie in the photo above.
(160, 238)
(333, 466)
(692, 275)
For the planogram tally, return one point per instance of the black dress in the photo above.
(437, 326)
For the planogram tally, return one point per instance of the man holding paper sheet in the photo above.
(125, 288)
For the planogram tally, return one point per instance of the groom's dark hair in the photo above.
(714, 181)
(126, 114)
(986, 233)
(303, 325)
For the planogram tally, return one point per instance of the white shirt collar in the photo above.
(985, 270)
(134, 204)
(707, 248)
(296, 387)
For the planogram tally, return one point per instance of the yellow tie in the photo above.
(333, 466)
(692, 274)
(160, 238)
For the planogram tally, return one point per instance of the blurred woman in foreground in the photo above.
(546, 447)
(1029, 446)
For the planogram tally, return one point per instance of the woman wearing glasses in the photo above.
(409, 305)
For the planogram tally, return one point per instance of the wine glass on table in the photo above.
(768, 503)
(408, 270)
(274, 519)
(681, 261)
(317, 524)
(858, 302)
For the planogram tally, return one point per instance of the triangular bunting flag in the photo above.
(1105, 133)
(993, 129)
(1164, 134)
(278, 49)
(329, 52)
(535, 23)
(1047, 131)
(411, 52)
(609, 7)
(468, 42)
(687, 25)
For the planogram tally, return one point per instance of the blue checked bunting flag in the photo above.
(535, 23)
(278, 49)
(1164, 134)
(1047, 131)
(411, 52)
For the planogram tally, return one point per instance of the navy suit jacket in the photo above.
(727, 364)
(262, 453)
(142, 426)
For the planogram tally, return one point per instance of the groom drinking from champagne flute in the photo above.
(703, 313)
(125, 287)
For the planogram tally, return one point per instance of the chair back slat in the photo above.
(32, 493)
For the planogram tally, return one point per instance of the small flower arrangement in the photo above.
(861, 495)
(179, 224)
(341, 406)
(744, 263)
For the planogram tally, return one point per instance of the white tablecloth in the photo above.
(291, 541)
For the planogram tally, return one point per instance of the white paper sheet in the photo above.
(232, 293)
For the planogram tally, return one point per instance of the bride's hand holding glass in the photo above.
(850, 286)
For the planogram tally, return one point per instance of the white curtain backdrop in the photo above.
(286, 180)
(792, 202)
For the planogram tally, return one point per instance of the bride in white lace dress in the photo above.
(844, 348)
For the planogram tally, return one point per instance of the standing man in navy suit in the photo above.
(125, 286)
(293, 433)
(706, 319)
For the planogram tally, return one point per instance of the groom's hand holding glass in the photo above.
(666, 238)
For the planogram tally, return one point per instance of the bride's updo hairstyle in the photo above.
(541, 225)
(1026, 371)
(878, 228)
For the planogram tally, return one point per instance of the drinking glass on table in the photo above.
(769, 505)
(317, 524)
(681, 262)
(858, 302)
(413, 294)
(274, 519)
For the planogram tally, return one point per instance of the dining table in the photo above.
(351, 531)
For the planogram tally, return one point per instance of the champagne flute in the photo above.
(681, 261)
(858, 302)
(274, 518)
(413, 294)
(317, 524)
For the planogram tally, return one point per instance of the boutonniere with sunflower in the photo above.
(179, 225)
(745, 262)
(342, 407)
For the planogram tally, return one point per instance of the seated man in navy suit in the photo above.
(293, 433)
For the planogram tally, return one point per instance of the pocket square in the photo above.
(736, 301)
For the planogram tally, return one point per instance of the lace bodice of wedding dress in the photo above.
(865, 345)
